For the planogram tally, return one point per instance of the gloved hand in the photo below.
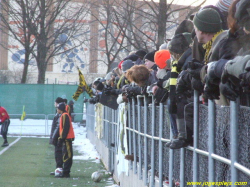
(85, 100)
(211, 91)
(125, 87)
(211, 77)
(60, 142)
(227, 90)
(197, 85)
(109, 91)
(134, 90)
(235, 67)
(245, 78)
(194, 69)
(160, 83)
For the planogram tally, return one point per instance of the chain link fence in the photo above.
(213, 159)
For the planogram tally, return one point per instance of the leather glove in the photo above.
(194, 68)
(107, 91)
(227, 90)
(197, 85)
(211, 91)
(210, 76)
(59, 142)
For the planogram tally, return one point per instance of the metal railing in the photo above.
(220, 152)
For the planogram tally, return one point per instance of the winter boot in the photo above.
(177, 144)
(169, 143)
(5, 143)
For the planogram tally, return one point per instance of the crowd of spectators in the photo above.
(209, 53)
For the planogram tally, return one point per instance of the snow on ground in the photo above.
(84, 146)
(41, 128)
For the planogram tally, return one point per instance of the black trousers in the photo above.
(185, 110)
(58, 156)
(67, 156)
(189, 120)
(4, 129)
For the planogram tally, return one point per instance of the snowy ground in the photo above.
(31, 127)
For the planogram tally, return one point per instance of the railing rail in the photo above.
(214, 156)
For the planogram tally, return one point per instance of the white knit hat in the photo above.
(224, 5)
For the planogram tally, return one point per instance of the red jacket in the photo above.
(3, 114)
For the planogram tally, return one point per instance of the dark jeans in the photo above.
(189, 120)
(4, 129)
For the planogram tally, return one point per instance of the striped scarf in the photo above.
(208, 46)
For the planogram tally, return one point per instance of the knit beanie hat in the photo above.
(208, 20)
(242, 13)
(59, 100)
(150, 56)
(132, 57)
(141, 53)
(108, 76)
(99, 86)
(224, 5)
(126, 65)
(61, 106)
(163, 46)
(161, 58)
(180, 43)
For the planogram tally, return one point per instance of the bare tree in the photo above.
(109, 34)
(12, 21)
(132, 25)
(43, 22)
(149, 21)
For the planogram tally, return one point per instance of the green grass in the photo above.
(29, 162)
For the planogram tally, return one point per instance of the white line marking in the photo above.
(6, 148)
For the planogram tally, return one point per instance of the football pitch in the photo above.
(29, 161)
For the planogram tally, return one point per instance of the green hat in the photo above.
(208, 20)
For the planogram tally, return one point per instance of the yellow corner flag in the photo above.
(23, 114)
(82, 84)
